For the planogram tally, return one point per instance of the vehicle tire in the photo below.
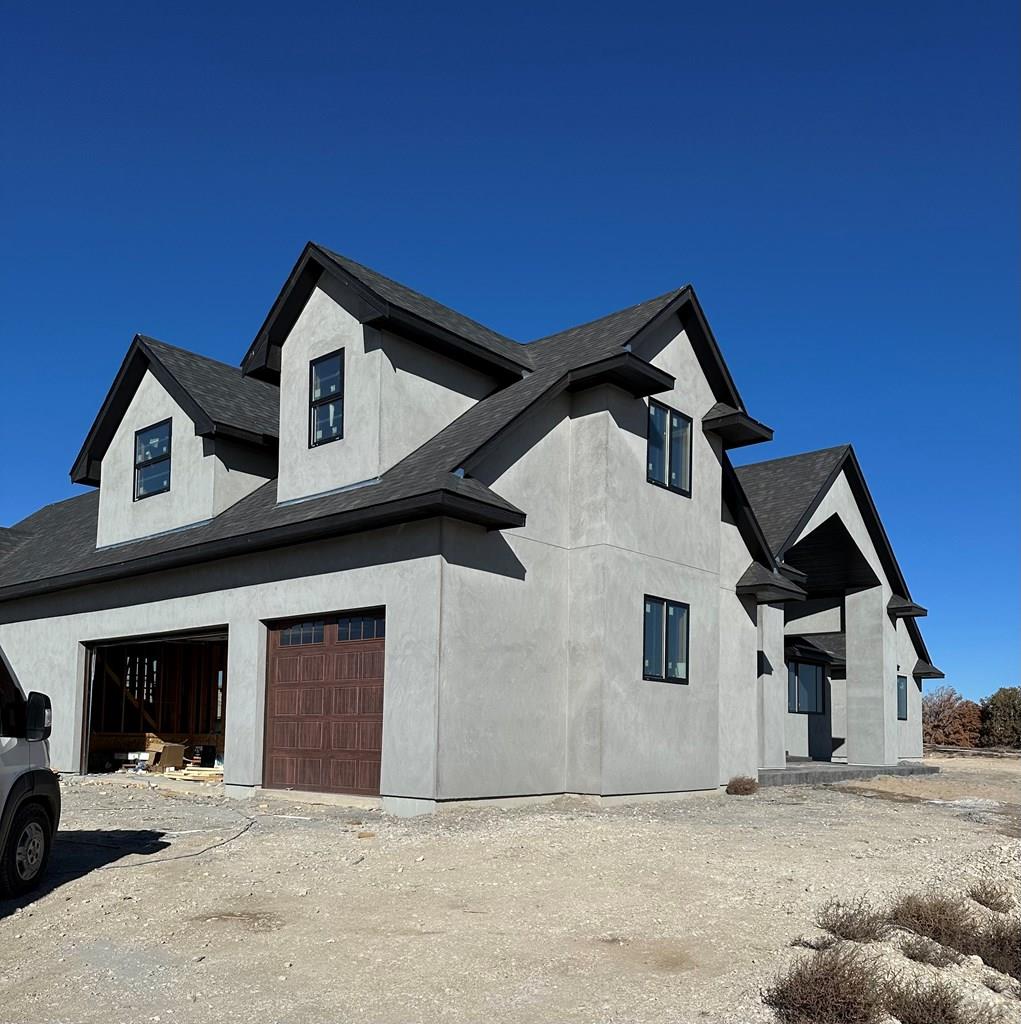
(23, 858)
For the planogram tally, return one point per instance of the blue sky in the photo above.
(839, 182)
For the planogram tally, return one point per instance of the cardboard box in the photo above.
(163, 755)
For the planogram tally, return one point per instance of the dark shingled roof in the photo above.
(759, 580)
(61, 541)
(834, 645)
(223, 392)
(781, 490)
(434, 312)
(429, 481)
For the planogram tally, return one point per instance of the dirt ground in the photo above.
(179, 908)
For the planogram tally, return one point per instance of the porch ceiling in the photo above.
(831, 561)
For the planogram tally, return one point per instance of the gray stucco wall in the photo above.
(513, 659)
(399, 568)
(873, 733)
(205, 476)
(396, 396)
(190, 498)
(738, 640)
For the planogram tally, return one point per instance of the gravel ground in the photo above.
(168, 907)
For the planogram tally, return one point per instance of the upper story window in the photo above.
(902, 698)
(152, 460)
(326, 399)
(805, 688)
(666, 640)
(669, 449)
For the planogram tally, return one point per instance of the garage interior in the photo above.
(173, 687)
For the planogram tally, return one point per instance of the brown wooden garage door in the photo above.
(324, 703)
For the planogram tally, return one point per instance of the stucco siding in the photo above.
(397, 395)
(398, 568)
(190, 498)
(738, 640)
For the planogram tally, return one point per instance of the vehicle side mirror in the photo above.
(38, 716)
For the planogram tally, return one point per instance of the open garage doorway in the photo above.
(173, 687)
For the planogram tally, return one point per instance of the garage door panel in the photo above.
(326, 737)
(286, 670)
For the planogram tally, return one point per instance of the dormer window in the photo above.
(326, 399)
(152, 460)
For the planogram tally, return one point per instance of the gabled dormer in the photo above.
(368, 371)
(179, 438)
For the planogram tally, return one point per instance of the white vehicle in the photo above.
(29, 790)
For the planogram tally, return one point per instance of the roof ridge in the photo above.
(342, 259)
(147, 339)
(665, 297)
(797, 455)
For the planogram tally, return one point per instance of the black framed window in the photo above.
(152, 460)
(326, 399)
(668, 462)
(665, 640)
(902, 698)
(805, 681)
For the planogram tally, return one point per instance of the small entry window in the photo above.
(665, 641)
(805, 688)
(326, 399)
(902, 698)
(152, 460)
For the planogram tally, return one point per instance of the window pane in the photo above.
(152, 443)
(657, 443)
(152, 479)
(676, 641)
(809, 688)
(902, 698)
(680, 451)
(792, 686)
(654, 638)
(327, 421)
(327, 377)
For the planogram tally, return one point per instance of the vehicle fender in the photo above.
(39, 784)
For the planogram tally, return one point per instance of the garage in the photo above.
(172, 687)
(324, 703)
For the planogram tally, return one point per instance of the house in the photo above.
(398, 554)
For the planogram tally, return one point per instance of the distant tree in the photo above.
(1001, 718)
(949, 720)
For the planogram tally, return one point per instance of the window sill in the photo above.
(664, 679)
(666, 487)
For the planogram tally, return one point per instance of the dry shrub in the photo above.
(855, 920)
(999, 945)
(950, 720)
(925, 951)
(742, 785)
(948, 921)
(989, 894)
(933, 1001)
(837, 986)
(944, 919)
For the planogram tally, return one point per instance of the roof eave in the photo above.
(262, 358)
(439, 502)
(626, 370)
(923, 670)
(737, 429)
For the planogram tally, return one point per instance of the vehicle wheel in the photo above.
(23, 860)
